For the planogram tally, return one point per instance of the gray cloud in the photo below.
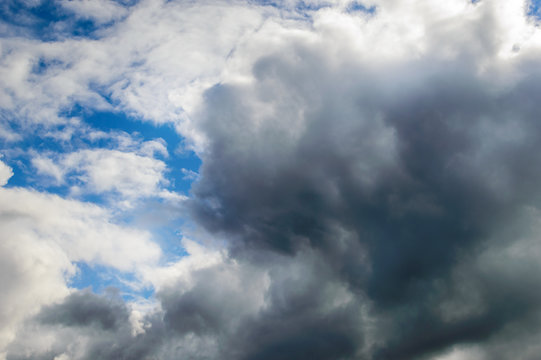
(86, 309)
(306, 312)
(417, 164)
(85, 326)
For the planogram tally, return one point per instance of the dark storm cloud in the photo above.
(504, 299)
(417, 164)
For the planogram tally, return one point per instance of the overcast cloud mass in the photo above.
(260, 180)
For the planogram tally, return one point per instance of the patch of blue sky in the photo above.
(169, 239)
(173, 250)
(301, 7)
(360, 7)
(43, 65)
(273, 3)
(534, 9)
(100, 278)
(48, 21)
(16, 154)
(21, 171)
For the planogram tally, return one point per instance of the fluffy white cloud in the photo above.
(5, 173)
(101, 171)
(197, 257)
(110, 170)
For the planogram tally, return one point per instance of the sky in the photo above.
(257, 179)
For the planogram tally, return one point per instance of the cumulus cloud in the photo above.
(5, 173)
(101, 170)
(128, 171)
(369, 185)
(387, 163)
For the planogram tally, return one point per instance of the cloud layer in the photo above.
(369, 186)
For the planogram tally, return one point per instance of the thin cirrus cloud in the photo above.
(368, 187)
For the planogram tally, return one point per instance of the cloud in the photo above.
(130, 170)
(82, 325)
(86, 309)
(226, 309)
(43, 236)
(98, 11)
(5, 173)
(152, 65)
(383, 166)
(84, 231)
(368, 188)
(105, 170)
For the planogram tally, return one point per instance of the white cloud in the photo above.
(100, 11)
(5, 173)
(33, 273)
(84, 231)
(189, 174)
(154, 147)
(180, 272)
(46, 166)
(129, 174)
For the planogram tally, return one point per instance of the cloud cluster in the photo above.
(401, 166)
(370, 183)
(43, 236)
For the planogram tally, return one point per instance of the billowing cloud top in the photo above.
(270, 180)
